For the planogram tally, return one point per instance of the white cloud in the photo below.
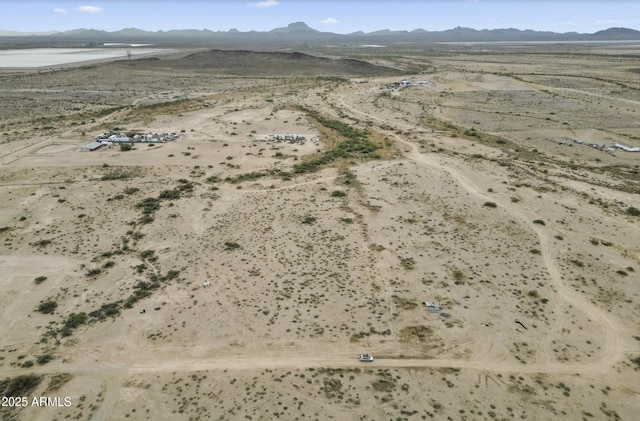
(329, 21)
(88, 9)
(59, 11)
(266, 3)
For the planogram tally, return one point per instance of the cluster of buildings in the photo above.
(117, 136)
(286, 138)
(410, 83)
(601, 147)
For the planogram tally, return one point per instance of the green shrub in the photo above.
(125, 147)
(230, 245)
(75, 319)
(308, 219)
(47, 307)
(577, 263)
(39, 280)
(148, 205)
(169, 195)
(146, 219)
(43, 359)
(41, 243)
(149, 255)
(106, 310)
(94, 272)
(20, 386)
(116, 175)
(633, 211)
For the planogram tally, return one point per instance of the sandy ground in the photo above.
(525, 229)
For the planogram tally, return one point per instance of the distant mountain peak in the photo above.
(294, 27)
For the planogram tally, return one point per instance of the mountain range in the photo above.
(301, 32)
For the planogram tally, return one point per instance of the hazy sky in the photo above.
(344, 16)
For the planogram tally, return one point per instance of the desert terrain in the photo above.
(474, 186)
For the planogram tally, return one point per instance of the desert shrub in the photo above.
(106, 310)
(39, 280)
(577, 263)
(408, 263)
(338, 193)
(43, 359)
(41, 243)
(490, 204)
(47, 307)
(75, 319)
(20, 386)
(126, 147)
(347, 220)
(148, 205)
(131, 190)
(94, 272)
(308, 219)
(534, 251)
(633, 211)
(149, 255)
(169, 195)
(185, 185)
(458, 275)
(109, 264)
(146, 219)
(116, 175)
(230, 245)
(539, 222)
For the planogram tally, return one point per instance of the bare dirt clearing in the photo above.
(456, 190)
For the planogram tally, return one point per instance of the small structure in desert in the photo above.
(432, 307)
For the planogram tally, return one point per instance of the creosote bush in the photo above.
(47, 307)
(230, 245)
(39, 280)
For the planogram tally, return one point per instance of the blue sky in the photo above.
(344, 16)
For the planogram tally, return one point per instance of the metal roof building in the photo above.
(92, 146)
